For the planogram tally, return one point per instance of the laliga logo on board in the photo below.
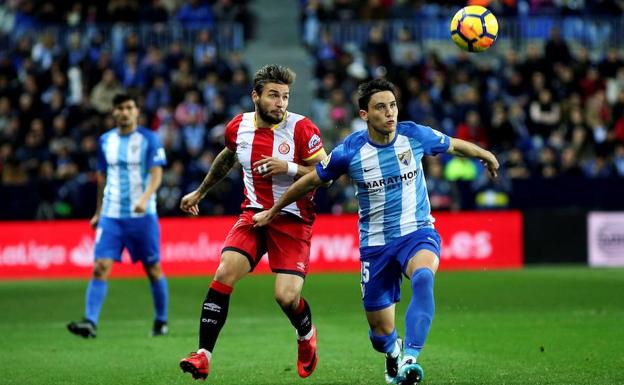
(82, 254)
(466, 245)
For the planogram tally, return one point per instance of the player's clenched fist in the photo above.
(262, 218)
(189, 202)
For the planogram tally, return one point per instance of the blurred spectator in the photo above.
(471, 129)
(547, 166)
(556, 49)
(545, 114)
(190, 111)
(154, 12)
(515, 166)
(205, 50)
(34, 152)
(104, 91)
(195, 14)
(158, 95)
(443, 194)
(569, 163)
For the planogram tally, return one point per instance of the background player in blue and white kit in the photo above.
(130, 161)
(397, 235)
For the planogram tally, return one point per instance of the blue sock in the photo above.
(96, 294)
(383, 344)
(419, 312)
(160, 294)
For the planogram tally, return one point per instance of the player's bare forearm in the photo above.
(155, 181)
(219, 169)
(463, 148)
(101, 183)
(310, 163)
(270, 166)
(301, 187)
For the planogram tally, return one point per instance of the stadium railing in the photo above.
(227, 36)
(596, 33)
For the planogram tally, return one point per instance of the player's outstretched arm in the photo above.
(464, 148)
(301, 187)
(219, 169)
(269, 166)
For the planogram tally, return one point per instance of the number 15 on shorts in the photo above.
(365, 276)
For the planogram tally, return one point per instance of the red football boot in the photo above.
(307, 355)
(196, 364)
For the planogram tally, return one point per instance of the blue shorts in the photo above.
(141, 236)
(382, 267)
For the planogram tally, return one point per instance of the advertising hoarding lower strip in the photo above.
(192, 246)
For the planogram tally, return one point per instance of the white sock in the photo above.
(396, 351)
(206, 353)
(307, 336)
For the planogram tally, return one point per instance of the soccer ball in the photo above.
(474, 28)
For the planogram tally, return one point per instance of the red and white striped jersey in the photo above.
(295, 139)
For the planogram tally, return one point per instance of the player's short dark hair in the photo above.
(122, 98)
(366, 90)
(272, 73)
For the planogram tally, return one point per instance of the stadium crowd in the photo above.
(552, 111)
(555, 110)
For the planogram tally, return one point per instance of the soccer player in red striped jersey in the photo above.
(274, 147)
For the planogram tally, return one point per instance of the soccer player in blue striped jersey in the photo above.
(397, 234)
(129, 165)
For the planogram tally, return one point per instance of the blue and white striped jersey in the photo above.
(126, 161)
(389, 180)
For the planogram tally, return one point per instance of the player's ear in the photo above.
(364, 115)
(254, 96)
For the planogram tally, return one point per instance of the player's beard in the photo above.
(126, 124)
(266, 117)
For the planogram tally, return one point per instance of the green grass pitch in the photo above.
(546, 325)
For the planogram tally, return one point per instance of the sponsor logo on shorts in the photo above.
(301, 266)
(433, 241)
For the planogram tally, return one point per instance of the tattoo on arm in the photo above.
(219, 169)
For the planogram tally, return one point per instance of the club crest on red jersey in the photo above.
(284, 148)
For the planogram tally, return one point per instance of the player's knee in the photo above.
(226, 275)
(382, 328)
(101, 270)
(287, 297)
